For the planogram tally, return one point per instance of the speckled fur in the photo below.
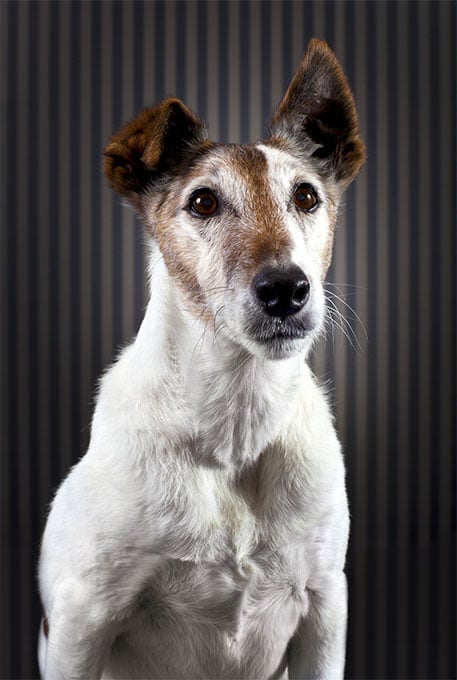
(203, 534)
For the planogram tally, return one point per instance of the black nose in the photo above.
(281, 291)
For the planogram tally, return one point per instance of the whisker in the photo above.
(331, 297)
(216, 329)
(199, 342)
(215, 288)
(339, 286)
(339, 321)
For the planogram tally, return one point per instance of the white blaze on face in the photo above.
(311, 233)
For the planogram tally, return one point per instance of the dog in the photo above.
(204, 533)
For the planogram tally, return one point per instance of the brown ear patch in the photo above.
(157, 141)
(318, 114)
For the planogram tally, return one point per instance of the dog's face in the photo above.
(246, 231)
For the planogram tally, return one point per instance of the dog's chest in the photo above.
(232, 608)
(199, 514)
(236, 556)
(227, 568)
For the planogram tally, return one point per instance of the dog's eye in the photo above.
(305, 198)
(203, 203)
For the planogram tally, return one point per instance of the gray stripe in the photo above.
(372, 217)
(243, 30)
(139, 102)
(23, 300)
(117, 102)
(104, 257)
(253, 93)
(67, 146)
(425, 329)
(393, 368)
(403, 488)
(32, 284)
(84, 286)
(446, 322)
(11, 363)
(233, 62)
(222, 85)
(415, 341)
(191, 41)
(5, 437)
(382, 294)
(43, 227)
(213, 66)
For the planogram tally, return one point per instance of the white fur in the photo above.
(204, 533)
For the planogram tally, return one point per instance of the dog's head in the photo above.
(246, 231)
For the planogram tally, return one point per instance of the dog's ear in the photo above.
(157, 141)
(317, 115)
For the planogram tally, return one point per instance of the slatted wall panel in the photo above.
(73, 288)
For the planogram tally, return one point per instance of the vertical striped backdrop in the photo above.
(73, 288)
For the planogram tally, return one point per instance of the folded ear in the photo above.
(157, 141)
(317, 114)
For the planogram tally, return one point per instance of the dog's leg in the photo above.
(317, 650)
(79, 636)
(42, 649)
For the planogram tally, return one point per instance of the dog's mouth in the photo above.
(279, 330)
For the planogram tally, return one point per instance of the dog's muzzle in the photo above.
(281, 315)
(281, 291)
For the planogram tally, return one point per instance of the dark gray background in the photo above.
(73, 288)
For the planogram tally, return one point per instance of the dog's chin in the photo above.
(277, 339)
(277, 349)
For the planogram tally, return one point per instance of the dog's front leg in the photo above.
(317, 650)
(80, 634)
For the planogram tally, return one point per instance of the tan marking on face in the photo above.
(328, 250)
(262, 236)
(180, 262)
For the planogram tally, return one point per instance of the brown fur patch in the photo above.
(45, 626)
(157, 141)
(262, 237)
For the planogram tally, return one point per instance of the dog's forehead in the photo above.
(244, 171)
(231, 168)
(284, 167)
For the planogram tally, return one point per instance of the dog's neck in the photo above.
(237, 402)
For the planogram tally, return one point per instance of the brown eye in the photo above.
(204, 203)
(305, 198)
